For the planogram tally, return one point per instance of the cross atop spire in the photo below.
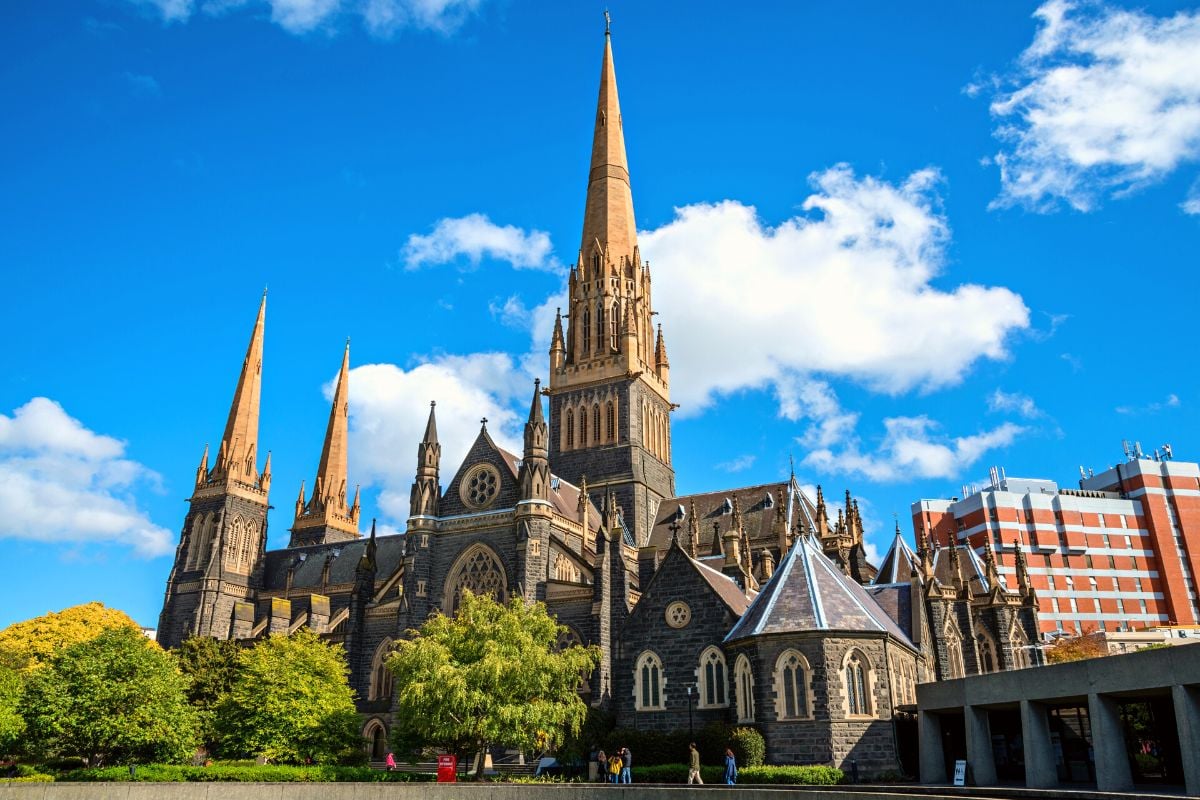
(607, 23)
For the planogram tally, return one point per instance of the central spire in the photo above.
(609, 230)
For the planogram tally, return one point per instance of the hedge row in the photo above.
(656, 747)
(168, 773)
(785, 776)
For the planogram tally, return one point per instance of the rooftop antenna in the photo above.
(1168, 453)
(1127, 449)
(1137, 449)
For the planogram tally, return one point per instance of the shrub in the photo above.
(809, 775)
(748, 746)
(651, 747)
(268, 773)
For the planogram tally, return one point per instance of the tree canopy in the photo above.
(490, 675)
(29, 644)
(1076, 648)
(12, 725)
(289, 701)
(117, 697)
(210, 667)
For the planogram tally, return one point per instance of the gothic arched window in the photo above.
(479, 571)
(583, 428)
(587, 330)
(856, 673)
(570, 430)
(613, 321)
(596, 422)
(610, 417)
(791, 686)
(648, 682)
(600, 327)
(713, 692)
(987, 650)
(743, 682)
(954, 654)
(381, 676)
(1020, 647)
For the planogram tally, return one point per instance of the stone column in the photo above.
(933, 760)
(1108, 744)
(980, 759)
(1187, 723)
(1040, 771)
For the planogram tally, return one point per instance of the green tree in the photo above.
(491, 675)
(210, 667)
(115, 698)
(12, 724)
(29, 644)
(290, 701)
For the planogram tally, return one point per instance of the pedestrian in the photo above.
(730, 767)
(614, 767)
(694, 765)
(602, 770)
(626, 765)
(391, 763)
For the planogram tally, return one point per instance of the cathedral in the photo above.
(752, 606)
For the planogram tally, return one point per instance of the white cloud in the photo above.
(1191, 205)
(475, 237)
(1106, 101)
(302, 16)
(1170, 401)
(385, 17)
(844, 290)
(912, 447)
(390, 405)
(1013, 403)
(381, 18)
(511, 312)
(739, 464)
(60, 482)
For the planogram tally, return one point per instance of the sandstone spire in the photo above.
(237, 457)
(608, 214)
(325, 517)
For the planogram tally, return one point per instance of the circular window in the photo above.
(678, 614)
(480, 486)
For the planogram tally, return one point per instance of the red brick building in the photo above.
(1121, 552)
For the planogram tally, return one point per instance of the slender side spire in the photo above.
(534, 478)
(558, 346)
(425, 498)
(608, 214)
(661, 364)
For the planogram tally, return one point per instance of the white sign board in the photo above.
(960, 773)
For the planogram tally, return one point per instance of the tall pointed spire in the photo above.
(240, 440)
(608, 214)
(534, 478)
(425, 497)
(325, 516)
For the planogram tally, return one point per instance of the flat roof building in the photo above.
(1119, 553)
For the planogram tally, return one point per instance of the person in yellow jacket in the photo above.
(694, 765)
(614, 767)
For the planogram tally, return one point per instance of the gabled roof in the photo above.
(308, 563)
(808, 592)
(899, 563)
(973, 571)
(758, 513)
(730, 593)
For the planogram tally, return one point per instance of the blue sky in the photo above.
(896, 245)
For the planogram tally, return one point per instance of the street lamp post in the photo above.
(689, 694)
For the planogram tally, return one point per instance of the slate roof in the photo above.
(899, 563)
(896, 601)
(758, 513)
(808, 592)
(730, 593)
(974, 573)
(343, 557)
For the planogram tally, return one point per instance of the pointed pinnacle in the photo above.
(431, 426)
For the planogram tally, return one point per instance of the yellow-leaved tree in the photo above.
(25, 646)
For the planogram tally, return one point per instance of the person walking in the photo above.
(391, 763)
(626, 765)
(730, 767)
(694, 765)
(602, 767)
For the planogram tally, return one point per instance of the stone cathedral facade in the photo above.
(751, 605)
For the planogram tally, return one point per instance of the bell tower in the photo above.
(219, 560)
(610, 404)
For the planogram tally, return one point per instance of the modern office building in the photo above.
(1121, 552)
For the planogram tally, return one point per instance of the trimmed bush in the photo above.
(650, 747)
(269, 773)
(23, 773)
(809, 775)
(748, 745)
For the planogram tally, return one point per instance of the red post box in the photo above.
(447, 769)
